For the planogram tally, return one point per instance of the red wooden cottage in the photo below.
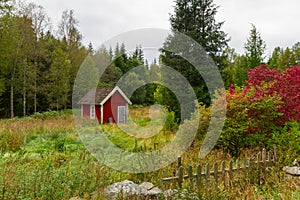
(107, 105)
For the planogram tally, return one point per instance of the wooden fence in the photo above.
(252, 169)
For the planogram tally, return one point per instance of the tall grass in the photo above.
(42, 157)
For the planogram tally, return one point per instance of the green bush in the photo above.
(204, 120)
(250, 120)
(288, 142)
(171, 122)
(10, 141)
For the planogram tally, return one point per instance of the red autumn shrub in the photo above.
(250, 118)
(285, 84)
(270, 99)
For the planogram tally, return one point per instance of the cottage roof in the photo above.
(98, 96)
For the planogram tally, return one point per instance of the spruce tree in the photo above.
(196, 19)
(255, 48)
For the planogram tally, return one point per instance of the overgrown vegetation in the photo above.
(42, 157)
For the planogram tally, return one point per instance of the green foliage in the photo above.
(171, 123)
(58, 86)
(55, 165)
(31, 60)
(250, 120)
(10, 141)
(236, 69)
(204, 120)
(287, 141)
(255, 48)
(284, 58)
(237, 66)
(195, 19)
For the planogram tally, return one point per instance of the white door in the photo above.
(121, 114)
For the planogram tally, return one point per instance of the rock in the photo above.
(147, 185)
(295, 171)
(295, 163)
(154, 192)
(129, 189)
(170, 193)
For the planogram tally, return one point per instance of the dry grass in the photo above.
(76, 164)
(13, 132)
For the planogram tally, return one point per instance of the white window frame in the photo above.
(123, 107)
(92, 112)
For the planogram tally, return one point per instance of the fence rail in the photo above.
(251, 168)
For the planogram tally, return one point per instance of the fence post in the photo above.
(264, 159)
(269, 160)
(223, 166)
(178, 163)
(199, 175)
(258, 167)
(216, 172)
(190, 174)
(180, 176)
(207, 173)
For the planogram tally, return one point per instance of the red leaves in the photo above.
(285, 84)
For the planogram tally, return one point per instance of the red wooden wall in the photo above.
(98, 113)
(110, 108)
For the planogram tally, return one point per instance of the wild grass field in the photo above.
(42, 157)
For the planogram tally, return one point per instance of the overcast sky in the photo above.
(99, 20)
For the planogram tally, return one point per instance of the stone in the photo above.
(295, 163)
(170, 193)
(154, 192)
(128, 188)
(147, 185)
(292, 170)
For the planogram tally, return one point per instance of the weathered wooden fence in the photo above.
(252, 169)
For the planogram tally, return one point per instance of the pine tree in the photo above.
(196, 19)
(255, 48)
(274, 59)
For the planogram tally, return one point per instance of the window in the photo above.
(92, 112)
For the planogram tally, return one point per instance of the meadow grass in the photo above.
(42, 157)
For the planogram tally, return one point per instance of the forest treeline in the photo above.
(39, 62)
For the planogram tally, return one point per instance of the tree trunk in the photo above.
(12, 97)
(24, 92)
(35, 83)
(35, 99)
(24, 103)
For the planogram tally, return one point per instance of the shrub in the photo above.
(250, 119)
(204, 120)
(269, 101)
(171, 123)
(284, 84)
(11, 141)
(287, 141)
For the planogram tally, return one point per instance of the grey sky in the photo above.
(100, 20)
